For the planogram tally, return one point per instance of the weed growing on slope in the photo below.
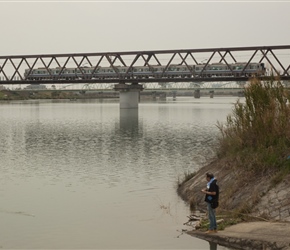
(256, 135)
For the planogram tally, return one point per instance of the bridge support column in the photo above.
(196, 93)
(211, 94)
(174, 95)
(241, 93)
(162, 96)
(129, 95)
(128, 120)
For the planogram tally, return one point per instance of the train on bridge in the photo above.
(238, 69)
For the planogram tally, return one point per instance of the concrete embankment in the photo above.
(265, 203)
(251, 236)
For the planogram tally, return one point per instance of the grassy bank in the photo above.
(257, 136)
(252, 155)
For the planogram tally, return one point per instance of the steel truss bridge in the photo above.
(275, 58)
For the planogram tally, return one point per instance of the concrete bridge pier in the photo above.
(129, 95)
(174, 95)
(196, 93)
(211, 93)
(129, 120)
(162, 96)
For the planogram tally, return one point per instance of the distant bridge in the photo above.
(231, 65)
(173, 86)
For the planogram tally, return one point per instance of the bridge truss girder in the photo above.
(276, 58)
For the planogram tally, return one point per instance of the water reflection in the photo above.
(88, 170)
(212, 246)
(128, 119)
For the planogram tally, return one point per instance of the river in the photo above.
(85, 174)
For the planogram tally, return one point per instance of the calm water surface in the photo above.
(80, 175)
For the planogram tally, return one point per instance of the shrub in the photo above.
(257, 133)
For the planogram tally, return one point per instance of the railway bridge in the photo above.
(129, 71)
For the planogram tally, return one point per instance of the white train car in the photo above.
(238, 69)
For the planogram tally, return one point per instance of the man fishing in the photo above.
(211, 197)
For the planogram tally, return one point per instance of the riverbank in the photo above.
(54, 94)
(259, 207)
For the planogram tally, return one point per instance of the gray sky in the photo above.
(44, 27)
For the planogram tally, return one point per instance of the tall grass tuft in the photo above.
(256, 134)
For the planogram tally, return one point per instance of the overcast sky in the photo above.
(44, 27)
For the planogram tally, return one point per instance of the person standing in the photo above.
(211, 198)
